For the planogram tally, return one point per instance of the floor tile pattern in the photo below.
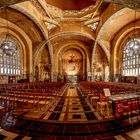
(131, 135)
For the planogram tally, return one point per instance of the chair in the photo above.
(102, 105)
(95, 98)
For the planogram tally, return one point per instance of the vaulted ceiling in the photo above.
(135, 4)
(22, 21)
(77, 4)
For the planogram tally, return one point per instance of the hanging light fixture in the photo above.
(134, 42)
(4, 44)
(7, 45)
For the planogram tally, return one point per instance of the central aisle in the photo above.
(72, 92)
(72, 106)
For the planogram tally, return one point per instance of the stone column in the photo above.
(93, 72)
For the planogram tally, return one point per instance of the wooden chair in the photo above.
(102, 105)
(95, 98)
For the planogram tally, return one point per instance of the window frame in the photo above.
(131, 58)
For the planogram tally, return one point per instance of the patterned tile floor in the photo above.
(38, 135)
(70, 118)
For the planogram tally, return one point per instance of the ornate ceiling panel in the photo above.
(71, 4)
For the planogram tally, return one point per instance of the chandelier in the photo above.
(7, 45)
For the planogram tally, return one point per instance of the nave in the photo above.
(70, 105)
(70, 116)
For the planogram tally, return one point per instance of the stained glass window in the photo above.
(9, 56)
(131, 58)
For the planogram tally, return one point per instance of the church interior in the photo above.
(69, 70)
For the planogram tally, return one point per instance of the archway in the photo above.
(72, 65)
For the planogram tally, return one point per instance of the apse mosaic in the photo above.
(72, 62)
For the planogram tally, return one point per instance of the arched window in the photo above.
(9, 56)
(131, 58)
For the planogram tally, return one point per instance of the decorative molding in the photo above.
(77, 12)
(39, 7)
(73, 19)
(57, 12)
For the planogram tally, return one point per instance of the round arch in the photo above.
(119, 42)
(24, 41)
(48, 41)
(76, 45)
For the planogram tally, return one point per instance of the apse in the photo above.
(72, 62)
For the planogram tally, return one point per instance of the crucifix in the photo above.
(71, 58)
